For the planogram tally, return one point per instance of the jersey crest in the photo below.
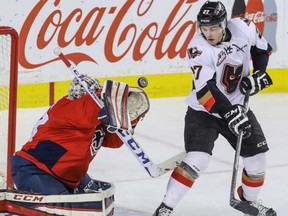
(97, 141)
(221, 57)
(231, 76)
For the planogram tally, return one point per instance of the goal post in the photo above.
(8, 100)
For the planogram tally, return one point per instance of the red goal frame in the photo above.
(6, 30)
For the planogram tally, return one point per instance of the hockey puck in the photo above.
(142, 82)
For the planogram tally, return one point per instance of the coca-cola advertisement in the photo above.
(122, 38)
(110, 37)
(262, 13)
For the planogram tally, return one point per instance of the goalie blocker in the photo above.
(100, 203)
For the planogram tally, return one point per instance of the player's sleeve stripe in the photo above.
(206, 98)
(209, 103)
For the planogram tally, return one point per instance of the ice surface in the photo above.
(161, 135)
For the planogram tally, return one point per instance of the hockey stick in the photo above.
(154, 170)
(235, 203)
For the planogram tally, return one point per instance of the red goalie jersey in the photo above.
(66, 139)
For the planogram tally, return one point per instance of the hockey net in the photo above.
(8, 99)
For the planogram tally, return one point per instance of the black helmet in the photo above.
(212, 13)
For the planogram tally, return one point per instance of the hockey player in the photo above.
(67, 137)
(219, 57)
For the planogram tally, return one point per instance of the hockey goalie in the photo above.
(50, 171)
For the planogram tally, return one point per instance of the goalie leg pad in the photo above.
(97, 204)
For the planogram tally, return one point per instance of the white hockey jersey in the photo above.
(223, 65)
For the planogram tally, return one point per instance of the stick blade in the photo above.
(244, 207)
(170, 164)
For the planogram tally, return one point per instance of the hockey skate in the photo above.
(163, 210)
(263, 211)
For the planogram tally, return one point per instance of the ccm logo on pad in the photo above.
(32, 198)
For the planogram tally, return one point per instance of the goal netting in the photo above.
(8, 99)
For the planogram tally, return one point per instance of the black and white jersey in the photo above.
(218, 70)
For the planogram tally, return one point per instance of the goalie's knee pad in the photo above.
(195, 163)
(255, 166)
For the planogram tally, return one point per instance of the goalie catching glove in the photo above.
(238, 120)
(256, 82)
(138, 105)
(123, 106)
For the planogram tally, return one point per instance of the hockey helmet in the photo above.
(76, 90)
(212, 13)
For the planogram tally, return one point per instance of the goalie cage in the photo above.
(8, 100)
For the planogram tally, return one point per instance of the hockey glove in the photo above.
(104, 117)
(238, 120)
(138, 105)
(115, 114)
(256, 82)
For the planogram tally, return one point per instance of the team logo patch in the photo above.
(221, 57)
(231, 76)
(97, 141)
(193, 52)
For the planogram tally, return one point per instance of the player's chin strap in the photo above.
(154, 170)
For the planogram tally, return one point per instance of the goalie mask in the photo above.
(76, 90)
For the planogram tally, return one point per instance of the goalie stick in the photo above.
(154, 170)
(235, 203)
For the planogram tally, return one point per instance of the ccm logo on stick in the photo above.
(135, 147)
